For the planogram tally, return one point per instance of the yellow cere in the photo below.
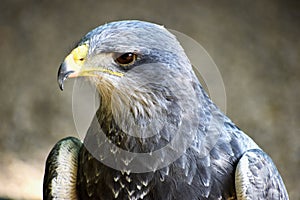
(79, 54)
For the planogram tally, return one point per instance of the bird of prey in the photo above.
(153, 112)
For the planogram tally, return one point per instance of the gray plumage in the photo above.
(157, 94)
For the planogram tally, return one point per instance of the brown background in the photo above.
(255, 44)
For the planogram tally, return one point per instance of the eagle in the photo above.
(156, 133)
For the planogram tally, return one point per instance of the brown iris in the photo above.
(126, 59)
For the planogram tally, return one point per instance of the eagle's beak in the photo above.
(72, 65)
(63, 74)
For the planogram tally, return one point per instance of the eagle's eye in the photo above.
(125, 59)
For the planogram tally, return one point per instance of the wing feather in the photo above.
(61, 170)
(256, 177)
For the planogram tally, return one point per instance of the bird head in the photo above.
(112, 50)
(140, 70)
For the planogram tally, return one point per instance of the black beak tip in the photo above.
(61, 85)
(62, 75)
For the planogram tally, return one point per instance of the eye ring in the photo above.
(126, 59)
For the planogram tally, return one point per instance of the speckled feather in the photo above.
(208, 167)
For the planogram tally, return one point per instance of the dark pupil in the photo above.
(125, 58)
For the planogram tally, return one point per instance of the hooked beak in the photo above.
(63, 74)
(67, 69)
(72, 65)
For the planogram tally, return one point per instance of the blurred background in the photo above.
(255, 45)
